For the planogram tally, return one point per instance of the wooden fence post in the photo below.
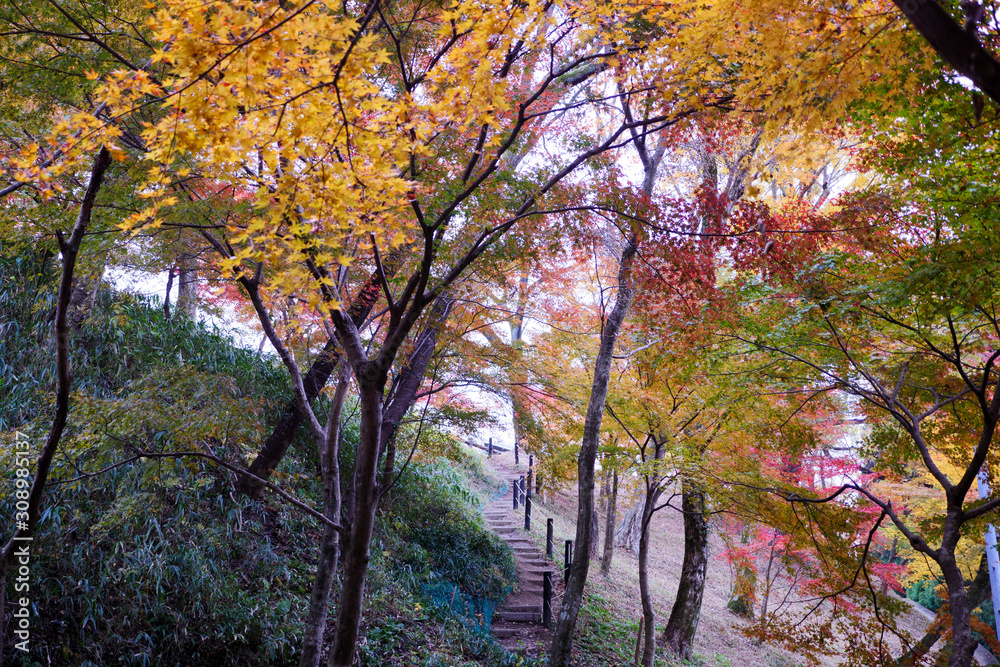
(527, 512)
(547, 599)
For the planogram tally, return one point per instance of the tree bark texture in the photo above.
(573, 596)
(648, 613)
(977, 593)
(371, 380)
(83, 296)
(70, 249)
(403, 393)
(595, 535)
(962, 643)
(961, 50)
(683, 622)
(187, 285)
(609, 523)
(628, 531)
(326, 568)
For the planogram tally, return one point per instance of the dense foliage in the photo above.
(154, 561)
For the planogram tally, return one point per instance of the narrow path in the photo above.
(517, 623)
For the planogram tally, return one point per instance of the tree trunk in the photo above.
(26, 521)
(403, 393)
(562, 638)
(166, 295)
(281, 437)
(371, 380)
(962, 643)
(683, 623)
(519, 413)
(83, 296)
(595, 535)
(648, 614)
(326, 568)
(187, 286)
(767, 579)
(977, 593)
(609, 525)
(628, 531)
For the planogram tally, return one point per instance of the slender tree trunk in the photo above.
(21, 539)
(609, 525)
(281, 437)
(648, 613)
(884, 589)
(683, 623)
(326, 568)
(166, 295)
(767, 579)
(404, 391)
(562, 638)
(81, 302)
(518, 410)
(595, 535)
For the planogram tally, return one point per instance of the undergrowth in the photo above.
(157, 562)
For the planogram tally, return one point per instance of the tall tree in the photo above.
(650, 155)
(27, 519)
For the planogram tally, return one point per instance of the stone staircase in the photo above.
(517, 623)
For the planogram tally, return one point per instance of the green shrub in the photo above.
(924, 592)
(153, 562)
(148, 563)
(437, 515)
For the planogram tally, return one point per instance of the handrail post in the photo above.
(547, 599)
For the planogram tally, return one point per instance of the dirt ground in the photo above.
(720, 640)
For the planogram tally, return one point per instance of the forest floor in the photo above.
(720, 641)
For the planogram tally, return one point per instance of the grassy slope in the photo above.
(155, 562)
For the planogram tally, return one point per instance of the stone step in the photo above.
(533, 558)
(523, 609)
(518, 617)
(505, 633)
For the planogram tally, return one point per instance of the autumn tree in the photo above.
(369, 151)
(906, 330)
